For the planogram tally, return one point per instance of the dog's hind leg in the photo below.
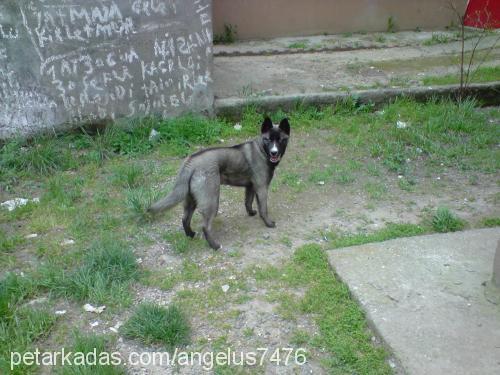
(205, 188)
(249, 196)
(207, 229)
(189, 207)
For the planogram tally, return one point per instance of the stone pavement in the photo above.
(425, 297)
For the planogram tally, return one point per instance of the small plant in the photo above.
(128, 176)
(380, 39)
(9, 243)
(436, 39)
(228, 36)
(445, 221)
(391, 25)
(298, 45)
(139, 200)
(153, 324)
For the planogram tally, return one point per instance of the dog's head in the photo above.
(275, 139)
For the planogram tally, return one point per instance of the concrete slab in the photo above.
(425, 297)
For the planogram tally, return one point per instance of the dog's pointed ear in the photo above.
(285, 126)
(267, 125)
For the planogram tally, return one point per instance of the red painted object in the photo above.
(484, 14)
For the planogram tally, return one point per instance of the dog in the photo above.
(250, 165)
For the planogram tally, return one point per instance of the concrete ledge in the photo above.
(425, 297)
(487, 93)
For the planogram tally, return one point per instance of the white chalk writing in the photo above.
(110, 58)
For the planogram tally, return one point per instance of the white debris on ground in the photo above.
(401, 124)
(225, 288)
(60, 312)
(32, 235)
(12, 204)
(153, 135)
(116, 327)
(237, 126)
(89, 308)
(67, 242)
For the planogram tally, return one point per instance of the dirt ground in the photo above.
(302, 216)
(336, 63)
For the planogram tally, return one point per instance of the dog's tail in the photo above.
(178, 194)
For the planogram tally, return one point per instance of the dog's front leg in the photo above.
(262, 204)
(249, 196)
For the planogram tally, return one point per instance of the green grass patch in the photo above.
(437, 38)
(391, 231)
(299, 45)
(104, 276)
(8, 243)
(446, 221)
(155, 324)
(82, 346)
(343, 332)
(490, 222)
(20, 326)
(482, 74)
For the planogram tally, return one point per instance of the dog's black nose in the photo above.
(274, 153)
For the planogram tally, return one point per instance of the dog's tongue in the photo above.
(274, 159)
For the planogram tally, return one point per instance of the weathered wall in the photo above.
(67, 61)
(275, 18)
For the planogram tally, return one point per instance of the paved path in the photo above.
(425, 297)
(401, 64)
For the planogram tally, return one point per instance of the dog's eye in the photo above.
(266, 140)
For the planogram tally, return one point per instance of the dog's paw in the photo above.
(252, 213)
(271, 224)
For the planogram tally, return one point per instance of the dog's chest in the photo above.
(235, 179)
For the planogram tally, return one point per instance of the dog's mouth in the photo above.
(274, 159)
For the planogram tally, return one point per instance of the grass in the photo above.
(445, 221)
(104, 182)
(182, 244)
(391, 230)
(105, 362)
(343, 332)
(437, 38)
(299, 45)
(491, 222)
(155, 324)
(482, 74)
(9, 242)
(104, 276)
(20, 326)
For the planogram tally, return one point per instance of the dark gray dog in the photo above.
(250, 165)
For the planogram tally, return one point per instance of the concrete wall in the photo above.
(274, 18)
(66, 61)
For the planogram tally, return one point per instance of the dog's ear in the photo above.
(285, 126)
(267, 125)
